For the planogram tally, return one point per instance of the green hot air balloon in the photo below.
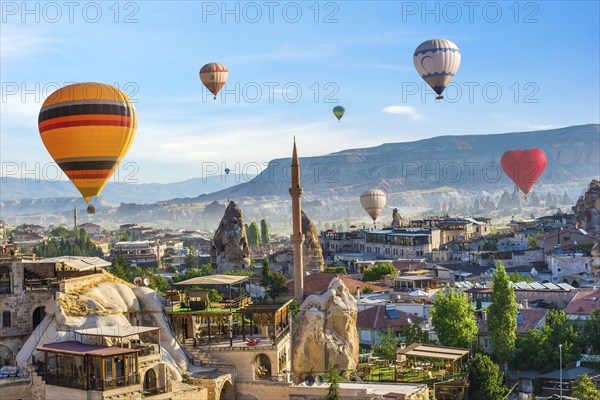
(339, 112)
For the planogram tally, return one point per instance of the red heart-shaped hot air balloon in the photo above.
(524, 167)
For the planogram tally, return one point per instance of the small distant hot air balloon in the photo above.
(227, 171)
(437, 60)
(524, 167)
(339, 112)
(88, 128)
(91, 209)
(373, 201)
(214, 75)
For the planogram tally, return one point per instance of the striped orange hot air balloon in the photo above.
(214, 75)
(88, 128)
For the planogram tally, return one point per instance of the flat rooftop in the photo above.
(81, 349)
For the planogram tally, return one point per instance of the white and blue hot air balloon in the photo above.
(437, 60)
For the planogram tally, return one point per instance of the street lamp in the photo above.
(560, 355)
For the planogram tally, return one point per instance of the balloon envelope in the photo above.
(437, 60)
(88, 128)
(524, 167)
(373, 201)
(214, 75)
(227, 170)
(339, 112)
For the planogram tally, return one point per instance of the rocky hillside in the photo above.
(454, 174)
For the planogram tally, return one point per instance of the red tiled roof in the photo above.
(531, 319)
(584, 302)
(377, 318)
(318, 283)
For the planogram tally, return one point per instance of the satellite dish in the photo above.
(137, 281)
(146, 281)
(309, 380)
(318, 380)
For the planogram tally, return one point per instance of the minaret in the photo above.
(297, 237)
(75, 218)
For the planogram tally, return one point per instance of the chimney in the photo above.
(484, 314)
(358, 293)
(526, 303)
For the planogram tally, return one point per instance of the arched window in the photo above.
(5, 281)
(6, 320)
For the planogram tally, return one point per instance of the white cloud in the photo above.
(403, 110)
(19, 44)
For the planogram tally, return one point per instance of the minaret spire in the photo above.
(297, 238)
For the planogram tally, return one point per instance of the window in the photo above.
(6, 319)
(365, 336)
(487, 344)
(5, 287)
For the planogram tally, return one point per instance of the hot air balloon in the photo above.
(437, 60)
(524, 167)
(214, 75)
(227, 170)
(373, 201)
(88, 128)
(339, 112)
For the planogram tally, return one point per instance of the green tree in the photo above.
(334, 387)
(413, 333)
(538, 349)
(335, 269)
(454, 319)
(590, 333)
(502, 315)
(378, 271)
(485, 379)
(253, 235)
(190, 261)
(264, 233)
(585, 389)
(385, 347)
(367, 290)
(273, 282)
(121, 268)
(517, 277)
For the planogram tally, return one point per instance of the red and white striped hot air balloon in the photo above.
(373, 201)
(214, 75)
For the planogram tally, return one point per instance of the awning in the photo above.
(79, 263)
(213, 280)
(116, 331)
(418, 293)
(441, 352)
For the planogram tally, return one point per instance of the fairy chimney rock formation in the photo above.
(397, 221)
(324, 333)
(312, 254)
(596, 259)
(230, 250)
(587, 209)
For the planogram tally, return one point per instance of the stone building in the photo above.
(25, 288)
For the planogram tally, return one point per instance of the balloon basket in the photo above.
(439, 97)
(214, 98)
(91, 209)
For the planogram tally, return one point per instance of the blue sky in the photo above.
(543, 56)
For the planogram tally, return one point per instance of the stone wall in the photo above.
(21, 304)
(244, 359)
(262, 390)
(213, 386)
